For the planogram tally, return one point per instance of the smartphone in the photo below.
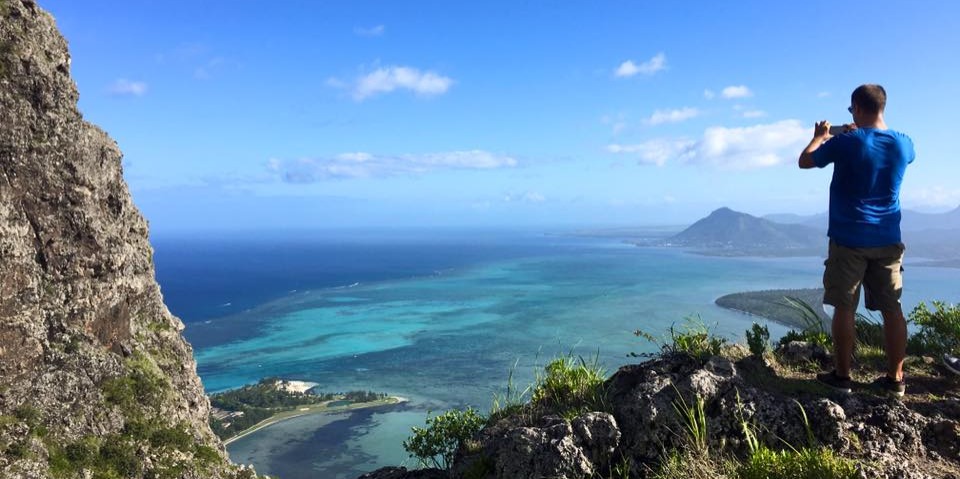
(836, 129)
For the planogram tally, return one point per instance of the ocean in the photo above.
(442, 318)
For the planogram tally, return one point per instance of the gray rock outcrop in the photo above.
(94, 373)
(886, 438)
(555, 447)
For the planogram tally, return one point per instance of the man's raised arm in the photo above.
(821, 133)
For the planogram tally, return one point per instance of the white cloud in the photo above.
(709, 94)
(672, 116)
(737, 91)
(367, 165)
(388, 79)
(933, 196)
(374, 31)
(754, 114)
(628, 68)
(124, 87)
(657, 152)
(528, 197)
(753, 146)
(756, 146)
(823, 94)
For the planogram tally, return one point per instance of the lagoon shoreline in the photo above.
(772, 305)
(322, 408)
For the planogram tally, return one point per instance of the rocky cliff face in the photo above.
(94, 373)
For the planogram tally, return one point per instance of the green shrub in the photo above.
(67, 461)
(82, 452)
(939, 330)
(60, 465)
(570, 387)
(813, 330)
(436, 444)
(694, 339)
(118, 458)
(174, 438)
(17, 450)
(206, 456)
(28, 415)
(821, 338)
(143, 385)
(758, 339)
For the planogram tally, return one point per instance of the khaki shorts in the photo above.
(880, 270)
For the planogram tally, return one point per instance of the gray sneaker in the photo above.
(890, 386)
(837, 383)
(952, 363)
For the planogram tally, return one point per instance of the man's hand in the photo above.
(821, 133)
(821, 130)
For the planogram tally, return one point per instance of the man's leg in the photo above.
(895, 341)
(844, 334)
(842, 277)
(884, 284)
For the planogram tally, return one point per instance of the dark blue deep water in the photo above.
(219, 275)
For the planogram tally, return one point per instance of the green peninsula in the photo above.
(772, 304)
(238, 412)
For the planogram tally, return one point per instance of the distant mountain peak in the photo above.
(723, 210)
(731, 230)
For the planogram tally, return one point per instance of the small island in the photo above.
(773, 305)
(239, 412)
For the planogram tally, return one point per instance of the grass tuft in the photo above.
(694, 338)
(571, 386)
(512, 400)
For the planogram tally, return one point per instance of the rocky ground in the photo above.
(917, 437)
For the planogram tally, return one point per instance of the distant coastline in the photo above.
(240, 412)
(322, 408)
(771, 304)
(949, 263)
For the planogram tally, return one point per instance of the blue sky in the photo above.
(301, 115)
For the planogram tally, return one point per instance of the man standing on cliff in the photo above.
(869, 161)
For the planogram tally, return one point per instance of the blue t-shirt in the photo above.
(868, 167)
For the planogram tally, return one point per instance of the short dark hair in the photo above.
(871, 98)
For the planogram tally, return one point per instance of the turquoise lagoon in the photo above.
(450, 338)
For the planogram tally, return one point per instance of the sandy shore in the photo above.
(296, 386)
(321, 408)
